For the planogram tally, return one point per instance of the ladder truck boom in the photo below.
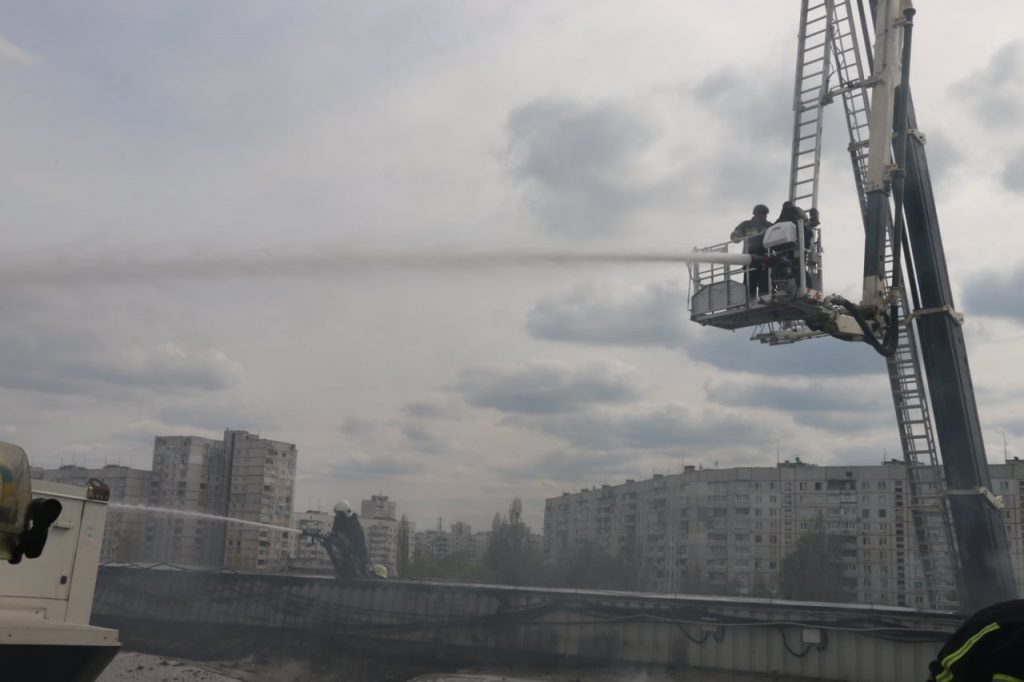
(902, 252)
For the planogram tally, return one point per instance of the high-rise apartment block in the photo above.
(125, 534)
(242, 476)
(728, 530)
(261, 485)
(189, 474)
(380, 525)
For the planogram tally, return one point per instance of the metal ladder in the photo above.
(913, 418)
(809, 99)
(814, 63)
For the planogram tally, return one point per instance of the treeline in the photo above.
(812, 570)
(509, 559)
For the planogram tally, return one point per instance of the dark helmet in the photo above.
(760, 209)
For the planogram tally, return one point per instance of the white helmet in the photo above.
(343, 507)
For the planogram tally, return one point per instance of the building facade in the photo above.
(190, 474)
(124, 536)
(380, 525)
(308, 555)
(261, 487)
(727, 531)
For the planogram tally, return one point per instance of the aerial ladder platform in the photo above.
(858, 52)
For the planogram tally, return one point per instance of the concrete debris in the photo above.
(134, 667)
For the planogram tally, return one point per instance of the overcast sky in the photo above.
(175, 174)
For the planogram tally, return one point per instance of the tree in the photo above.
(590, 566)
(813, 570)
(509, 558)
(404, 548)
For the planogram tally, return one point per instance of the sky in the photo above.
(178, 178)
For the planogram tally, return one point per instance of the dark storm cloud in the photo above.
(652, 316)
(649, 427)
(996, 295)
(547, 388)
(1013, 172)
(577, 162)
(995, 93)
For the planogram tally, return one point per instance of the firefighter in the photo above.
(751, 233)
(348, 533)
(987, 647)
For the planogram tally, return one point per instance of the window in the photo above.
(866, 513)
(817, 485)
(881, 513)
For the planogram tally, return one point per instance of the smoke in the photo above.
(324, 263)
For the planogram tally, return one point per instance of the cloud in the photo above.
(822, 357)
(996, 91)
(656, 315)
(217, 414)
(650, 316)
(433, 409)
(1013, 172)
(804, 397)
(670, 426)
(12, 54)
(572, 466)
(547, 387)
(752, 126)
(422, 440)
(754, 105)
(359, 427)
(42, 357)
(996, 295)
(582, 166)
(165, 366)
(364, 465)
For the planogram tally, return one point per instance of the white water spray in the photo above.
(200, 515)
(321, 263)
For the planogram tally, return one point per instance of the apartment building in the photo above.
(378, 516)
(125, 533)
(261, 487)
(727, 530)
(190, 473)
